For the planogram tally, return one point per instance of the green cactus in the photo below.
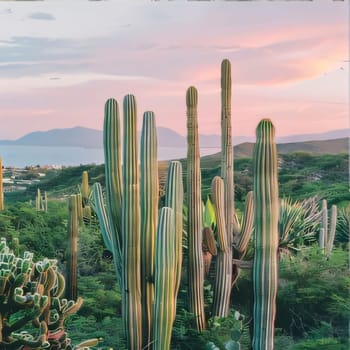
(266, 235)
(38, 200)
(194, 204)
(227, 147)
(131, 226)
(333, 225)
(327, 235)
(174, 200)
(164, 305)
(85, 189)
(45, 201)
(244, 229)
(222, 287)
(130, 232)
(149, 189)
(109, 217)
(29, 292)
(72, 251)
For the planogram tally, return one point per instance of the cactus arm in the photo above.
(209, 249)
(324, 223)
(321, 239)
(194, 204)
(332, 228)
(149, 189)
(266, 236)
(38, 200)
(96, 203)
(85, 189)
(174, 199)
(131, 227)
(247, 226)
(217, 189)
(227, 147)
(164, 280)
(110, 241)
(222, 287)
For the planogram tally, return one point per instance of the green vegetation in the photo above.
(306, 278)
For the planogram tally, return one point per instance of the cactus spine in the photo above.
(149, 189)
(1, 188)
(266, 235)
(195, 257)
(72, 258)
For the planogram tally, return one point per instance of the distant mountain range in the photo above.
(91, 138)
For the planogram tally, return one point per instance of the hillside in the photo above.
(245, 150)
(91, 138)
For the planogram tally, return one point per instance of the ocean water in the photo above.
(21, 156)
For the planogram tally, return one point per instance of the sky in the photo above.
(61, 60)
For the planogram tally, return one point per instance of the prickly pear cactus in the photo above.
(30, 294)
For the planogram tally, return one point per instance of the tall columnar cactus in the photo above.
(38, 200)
(326, 237)
(174, 200)
(1, 188)
(131, 226)
(149, 189)
(223, 282)
(194, 204)
(226, 146)
(129, 223)
(266, 235)
(110, 216)
(85, 189)
(168, 258)
(72, 251)
(79, 208)
(45, 201)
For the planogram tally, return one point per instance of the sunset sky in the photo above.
(61, 60)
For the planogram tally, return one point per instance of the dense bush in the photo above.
(313, 292)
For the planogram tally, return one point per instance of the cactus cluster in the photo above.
(32, 292)
(229, 237)
(327, 230)
(129, 225)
